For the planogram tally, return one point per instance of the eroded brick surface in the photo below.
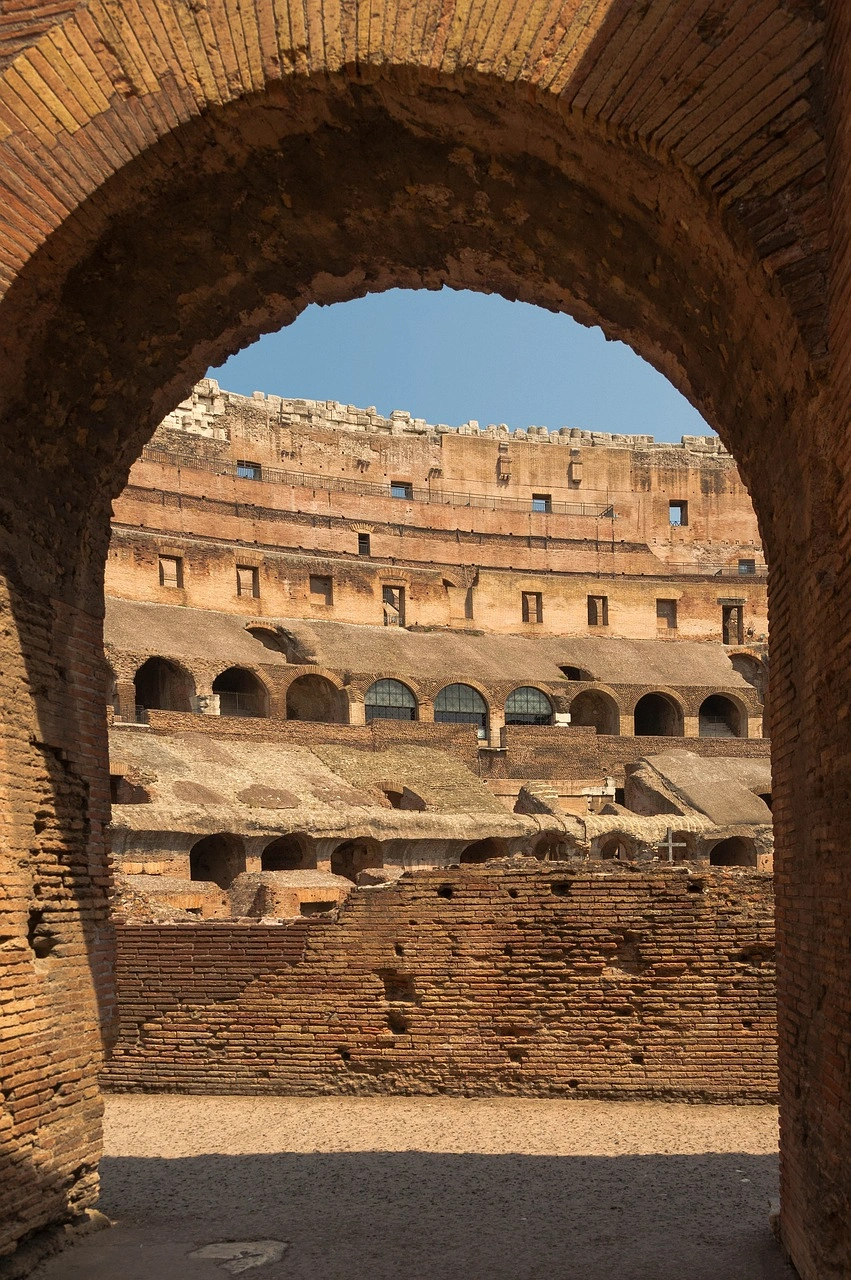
(621, 984)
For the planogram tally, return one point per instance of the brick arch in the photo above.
(339, 714)
(570, 199)
(610, 707)
(674, 699)
(741, 708)
(271, 154)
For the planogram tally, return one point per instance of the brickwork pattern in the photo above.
(621, 985)
(140, 148)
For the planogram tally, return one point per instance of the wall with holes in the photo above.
(503, 979)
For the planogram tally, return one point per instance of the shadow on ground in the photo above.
(423, 1216)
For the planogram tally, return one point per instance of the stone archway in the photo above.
(484, 850)
(292, 852)
(353, 856)
(721, 717)
(736, 851)
(316, 698)
(241, 693)
(218, 858)
(162, 685)
(596, 710)
(657, 715)
(554, 158)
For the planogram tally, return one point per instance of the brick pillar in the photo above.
(126, 692)
(810, 609)
(54, 807)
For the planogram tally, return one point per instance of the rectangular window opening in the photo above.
(733, 624)
(247, 580)
(532, 606)
(542, 502)
(401, 489)
(666, 615)
(747, 566)
(363, 544)
(248, 470)
(598, 611)
(171, 571)
(678, 513)
(321, 589)
(393, 600)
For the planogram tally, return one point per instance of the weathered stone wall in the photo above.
(465, 544)
(619, 984)
(684, 148)
(541, 752)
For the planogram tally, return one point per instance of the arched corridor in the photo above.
(720, 718)
(316, 698)
(289, 853)
(596, 710)
(353, 856)
(217, 858)
(241, 693)
(657, 716)
(162, 685)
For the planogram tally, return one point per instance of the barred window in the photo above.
(461, 704)
(528, 705)
(390, 700)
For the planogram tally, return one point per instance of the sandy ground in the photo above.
(434, 1189)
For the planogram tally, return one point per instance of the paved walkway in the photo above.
(431, 1189)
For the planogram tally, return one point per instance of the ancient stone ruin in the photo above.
(176, 180)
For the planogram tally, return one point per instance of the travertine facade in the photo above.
(176, 180)
(238, 589)
(505, 533)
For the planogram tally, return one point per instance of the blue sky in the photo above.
(451, 356)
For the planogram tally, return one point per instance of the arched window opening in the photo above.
(765, 797)
(551, 847)
(462, 704)
(390, 700)
(288, 853)
(316, 699)
(719, 717)
(402, 797)
(163, 686)
(595, 710)
(219, 858)
(485, 850)
(353, 856)
(528, 705)
(241, 693)
(269, 638)
(734, 852)
(657, 716)
(616, 846)
(575, 673)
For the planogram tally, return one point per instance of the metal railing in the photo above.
(758, 574)
(240, 704)
(362, 488)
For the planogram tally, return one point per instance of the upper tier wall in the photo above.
(209, 402)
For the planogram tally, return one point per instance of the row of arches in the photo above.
(732, 851)
(161, 684)
(219, 858)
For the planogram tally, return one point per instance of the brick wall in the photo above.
(542, 752)
(614, 984)
(460, 739)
